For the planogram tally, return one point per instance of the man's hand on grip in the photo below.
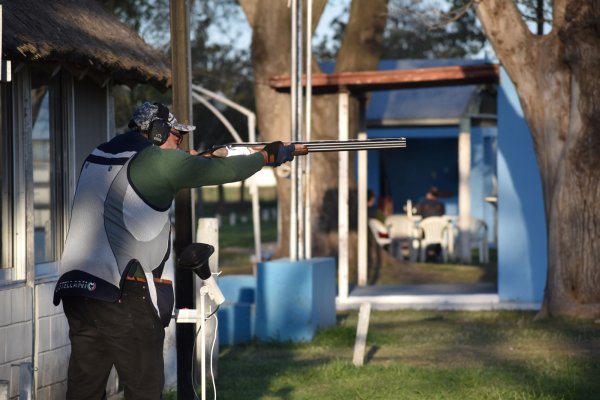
(277, 153)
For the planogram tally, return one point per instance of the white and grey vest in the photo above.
(112, 228)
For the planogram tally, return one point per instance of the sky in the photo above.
(240, 33)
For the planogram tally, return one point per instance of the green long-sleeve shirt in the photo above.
(157, 174)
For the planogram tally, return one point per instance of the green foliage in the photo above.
(423, 30)
(417, 29)
(150, 18)
(217, 66)
(221, 67)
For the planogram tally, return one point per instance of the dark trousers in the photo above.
(127, 334)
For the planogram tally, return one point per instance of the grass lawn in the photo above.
(414, 354)
(424, 355)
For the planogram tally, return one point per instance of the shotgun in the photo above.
(303, 148)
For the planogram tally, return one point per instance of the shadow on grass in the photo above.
(508, 357)
(247, 372)
(371, 353)
(424, 355)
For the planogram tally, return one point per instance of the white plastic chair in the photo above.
(402, 229)
(380, 232)
(479, 239)
(437, 230)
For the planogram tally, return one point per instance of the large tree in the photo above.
(360, 50)
(417, 29)
(558, 81)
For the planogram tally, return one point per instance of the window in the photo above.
(48, 165)
(13, 233)
(6, 178)
(34, 183)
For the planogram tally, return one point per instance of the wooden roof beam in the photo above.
(367, 81)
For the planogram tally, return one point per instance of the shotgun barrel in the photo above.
(314, 146)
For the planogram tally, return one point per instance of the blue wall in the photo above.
(522, 247)
(431, 159)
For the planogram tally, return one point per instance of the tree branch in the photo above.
(505, 29)
(363, 36)
(249, 7)
(558, 13)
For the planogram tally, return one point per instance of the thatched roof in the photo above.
(81, 35)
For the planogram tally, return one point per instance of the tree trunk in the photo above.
(574, 220)
(271, 56)
(558, 81)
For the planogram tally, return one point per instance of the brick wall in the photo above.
(53, 341)
(15, 334)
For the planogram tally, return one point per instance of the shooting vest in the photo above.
(112, 229)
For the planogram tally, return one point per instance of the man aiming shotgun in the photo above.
(119, 239)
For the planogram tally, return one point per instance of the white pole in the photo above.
(307, 160)
(464, 189)
(207, 232)
(343, 198)
(299, 137)
(203, 343)
(362, 214)
(255, 203)
(294, 132)
(362, 328)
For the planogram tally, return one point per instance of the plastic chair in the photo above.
(380, 232)
(437, 230)
(479, 239)
(402, 230)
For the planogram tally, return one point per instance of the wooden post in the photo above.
(362, 329)
(184, 218)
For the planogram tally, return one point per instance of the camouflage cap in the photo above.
(146, 113)
(173, 123)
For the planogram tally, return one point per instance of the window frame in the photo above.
(61, 95)
(17, 255)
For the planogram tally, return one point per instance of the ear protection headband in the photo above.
(159, 128)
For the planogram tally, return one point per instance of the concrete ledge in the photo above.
(432, 297)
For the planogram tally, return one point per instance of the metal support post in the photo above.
(362, 215)
(343, 227)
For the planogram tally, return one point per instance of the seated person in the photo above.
(373, 210)
(431, 206)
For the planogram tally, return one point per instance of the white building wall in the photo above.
(53, 345)
(15, 334)
(16, 311)
(16, 341)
